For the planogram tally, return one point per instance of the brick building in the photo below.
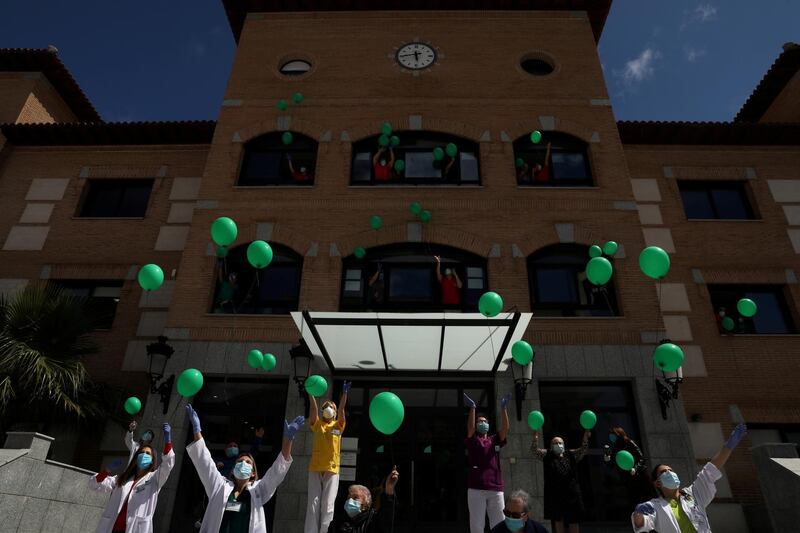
(85, 203)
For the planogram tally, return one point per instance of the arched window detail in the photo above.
(242, 289)
(403, 277)
(558, 160)
(559, 286)
(270, 160)
(371, 166)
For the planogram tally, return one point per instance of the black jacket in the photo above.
(369, 521)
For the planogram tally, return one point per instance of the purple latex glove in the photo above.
(504, 400)
(194, 420)
(289, 430)
(736, 436)
(469, 401)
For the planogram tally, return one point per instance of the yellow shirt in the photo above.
(684, 523)
(327, 446)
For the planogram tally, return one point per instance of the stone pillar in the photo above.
(38, 445)
(778, 470)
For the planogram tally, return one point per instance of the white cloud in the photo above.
(700, 14)
(640, 68)
(693, 54)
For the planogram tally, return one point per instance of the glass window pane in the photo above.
(420, 165)
(362, 167)
(107, 292)
(730, 204)
(410, 284)
(469, 168)
(352, 286)
(278, 283)
(696, 204)
(353, 274)
(134, 200)
(770, 317)
(262, 166)
(101, 200)
(568, 166)
(474, 272)
(763, 436)
(556, 285)
(474, 283)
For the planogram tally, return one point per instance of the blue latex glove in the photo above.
(469, 401)
(736, 436)
(346, 386)
(194, 420)
(116, 464)
(645, 508)
(167, 429)
(504, 400)
(289, 430)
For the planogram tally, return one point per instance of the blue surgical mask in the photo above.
(514, 524)
(233, 451)
(242, 470)
(612, 438)
(143, 461)
(352, 507)
(669, 480)
(147, 436)
(483, 427)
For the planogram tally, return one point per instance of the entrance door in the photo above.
(428, 451)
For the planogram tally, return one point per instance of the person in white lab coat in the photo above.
(679, 510)
(236, 503)
(134, 492)
(130, 440)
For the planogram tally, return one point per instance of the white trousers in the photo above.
(322, 489)
(481, 503)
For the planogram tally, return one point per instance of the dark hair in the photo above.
(619, 432)
(255, 468)
(132, 468)
(654, 476)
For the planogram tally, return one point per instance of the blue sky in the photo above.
(170, 60)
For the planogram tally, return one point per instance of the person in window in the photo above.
(450, 284)
(376, 287)
(360, 516)
(677, 510)
(299, 176)
(563, 501)
(228, 283)
(541, 172)
(637, 480)
(382, 167)
(524, 174)
(226, 464)
(517, 516)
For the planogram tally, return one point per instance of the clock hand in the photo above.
(406, 55)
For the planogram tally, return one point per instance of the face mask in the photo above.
(242, 470)
(328, 412)
(383, 162)
(669, 480)
(233, 451)
(483, 427)
(147, 436)
(558, 449)
(513, 524)
(303, 170)
(447, 272)
(612, 438)
(352, 507)
(143, 461)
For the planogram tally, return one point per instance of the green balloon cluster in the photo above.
(375, 222)
(269, 362)
(255, 358)
(624, 460)
(425, 216)
(595, 251)
(151, 277)
(588, 420)
(535, 420)
(399, 165)
(394, 140)
(282, 105)
(190, 382)
(359, 252)
(490, 304)
(386, 412)
(536, 137)
(298, 98)
(668, 357)
(599, 270)
(316, 385)
(746, 307)
(728, 324)
(654, 262)
(610, 248)
(386, 128)
(383, 141)
(522, 352)
(133, 405)
(415, 208)
(224, 231)
(519, 162)
(287, 138)
(259, 254)
(438, 154)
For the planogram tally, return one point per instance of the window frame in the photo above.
(102, 323)
(708, 186)
(91, 189)
(740, 290)
(569, 144)
(272, 143)
(295, 74)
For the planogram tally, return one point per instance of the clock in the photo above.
(415, 56)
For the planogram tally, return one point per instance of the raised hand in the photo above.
(259, 433)
(645, 508)
(391, 480)
(346, 386)
(469, 401)
(736, 436)
(132, 426)
(194, 420)
(289, 430)
(167, 429)
(504, 400)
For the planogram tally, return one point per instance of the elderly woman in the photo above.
(517, 516)
(359, 514)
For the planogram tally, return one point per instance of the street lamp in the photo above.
(523, 376)
(158, 354)
(301, 361)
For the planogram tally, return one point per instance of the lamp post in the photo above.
(158, 354)
(301, 361)
(523, 376)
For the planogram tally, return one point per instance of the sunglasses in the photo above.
(514, 515)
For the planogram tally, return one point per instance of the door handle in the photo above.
(412, 483)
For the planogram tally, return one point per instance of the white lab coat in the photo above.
(131, 444)
(219, 488)
(141, 504)
(694, 500)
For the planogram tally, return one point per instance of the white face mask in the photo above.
(558, 449)
(328, 412)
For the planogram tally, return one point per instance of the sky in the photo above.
(170, 60)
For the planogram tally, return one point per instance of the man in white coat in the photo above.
(236, 503)
(679, 510)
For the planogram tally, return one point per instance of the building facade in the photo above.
(85, 203)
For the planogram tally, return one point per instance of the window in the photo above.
(116, 198)
(102, 297)
(774, 433)
(773, 316)
(295, 67)
(416, 151)
(558, 160)
(726, 200)
(242, 289)
(268, 160)
(536, 66)
(559, 286)
(404, 278)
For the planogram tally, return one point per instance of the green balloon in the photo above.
(399, 165)
(133, 405)
(654, 262)
(438, 154)
(386, 128)
(625, 460)
(595, 251)
(298, 98)
(536, 136)
(359, 252)
(416, 208)
(316, 385)
(522, 352)
(269, 362)
(282, 105)
(190, 382)
(535, 420)
(224, 231)
(255, 358)
(728, 324)
(383, 140)
(668, 357)
(259, 254)
(746, 307)
(490, 304)
(375, 222)
(386, 412)
(451, 149)
(599, 270)
(394, 140)
(151, 277)
(588, 419)
(519, 163)
(222, 251)
(287, 138)
(425, 216)
(610, 248)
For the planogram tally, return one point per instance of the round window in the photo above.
(536, 66)
(295, 67)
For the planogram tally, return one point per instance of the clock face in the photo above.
(416, 56)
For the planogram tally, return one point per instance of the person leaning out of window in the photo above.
(382, 167)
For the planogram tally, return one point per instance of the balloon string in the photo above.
(178, 404)
(394, 504)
